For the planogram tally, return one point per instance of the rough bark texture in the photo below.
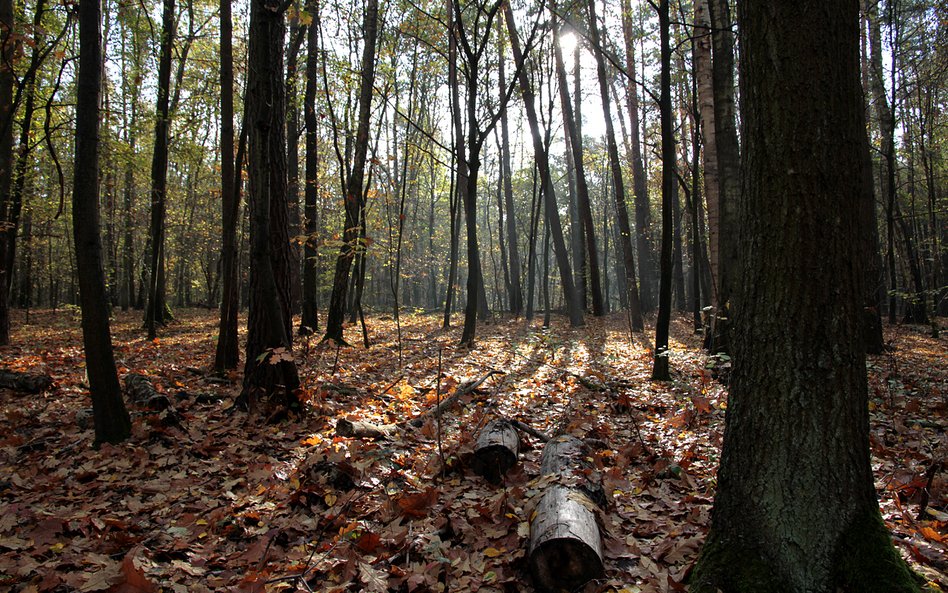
(702, 66)
(269, 366)
(110, 417)
(795, 508)
(7, 234)
(309, 319)
(496, 451)
(565, 546)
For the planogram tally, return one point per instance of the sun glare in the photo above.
(568, 43)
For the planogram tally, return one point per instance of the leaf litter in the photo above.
(203, 499)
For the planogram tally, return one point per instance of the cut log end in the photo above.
(565, 546)
(496, 451)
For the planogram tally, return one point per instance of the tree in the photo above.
(111, 420)
(7, 112)
(309, 319)
(354, 180)
(796, 509)
(155, 310)
(227, 353)
(660, 370)
(269, 365)
(625, 230)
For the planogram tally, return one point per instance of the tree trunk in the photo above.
(309, 319)
(797, 413)
(573, 308)
(729, 181)
(269, 366)
(355, 180)
(7, 113)
(575, 142)
(111, 420)
(227, 354)
(660, 370)
(643, 215)
(705, 91)
(155, 309)
(625, 230)
(297, 33)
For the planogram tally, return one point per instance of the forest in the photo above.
(473, 295)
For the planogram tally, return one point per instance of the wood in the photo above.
(569, 457)
(26, 382)
(364, 430)
(140, 390)
(565, 546)
(496, 451)
(449, 402)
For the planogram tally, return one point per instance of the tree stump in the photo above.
(569, 457)
(26, 382)
(565, 546)
(496, 451)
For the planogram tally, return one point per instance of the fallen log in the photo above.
(364, 430)
(565, 547)
(569, 457)
(452, 400)
(543, 438)
(26, 382)
(496, 450)
(141, 391)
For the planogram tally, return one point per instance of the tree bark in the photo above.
(7, 113)
(111, 420)
(269, 366)
(797, 413)
(309, 319)
(516, 288)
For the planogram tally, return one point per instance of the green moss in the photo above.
(730, 568)
(867, 562)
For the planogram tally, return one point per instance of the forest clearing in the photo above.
(201, 498)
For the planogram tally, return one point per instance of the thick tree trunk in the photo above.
(625, 230)
(112, 423)
(227, 354)
(797, 413)
(355, 180)
(269, 366)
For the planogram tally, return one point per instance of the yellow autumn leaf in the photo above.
(493, 552)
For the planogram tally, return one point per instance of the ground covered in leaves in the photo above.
(204, 499)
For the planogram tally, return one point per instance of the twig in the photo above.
(529, 430)
(462, 390)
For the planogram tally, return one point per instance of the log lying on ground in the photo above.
(496, 451)
(565, 546)
(569, 457)
(520, 426)
(364, 430)
(141, 391)
(452, 400)
(26, 382)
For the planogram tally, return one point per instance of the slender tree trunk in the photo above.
(516, 290)
(309, 320)
(729, 181)
(643, 215)
(111, 420)
(573, 308)
(355, 180)
(297, 33)
(575, 143)
(7, 113)
(625, 230)
(227, 354)
(660, 368)
(154, 312)
(705, 88)
(797, 412)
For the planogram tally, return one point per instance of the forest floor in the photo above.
(204, 499)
